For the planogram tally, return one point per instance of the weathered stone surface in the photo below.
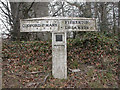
(59, 56)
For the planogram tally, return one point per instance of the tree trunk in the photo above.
(114, 20)
(16, 23)
(88, 10)
(119, 18)
(96, 9)
(103, 12)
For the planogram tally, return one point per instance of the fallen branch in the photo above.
(38, 83)
(34, 72)
(74, 70)
(46, 78)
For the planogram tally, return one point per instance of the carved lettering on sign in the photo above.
(76, 22)
(76, 27)
(39, 25)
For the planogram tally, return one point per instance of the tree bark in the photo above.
(119, 17)
(114, 19)
(88, 12)
(103, 12)
(96, 9)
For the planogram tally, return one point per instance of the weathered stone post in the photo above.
(59, 55)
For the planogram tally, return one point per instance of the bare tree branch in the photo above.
(54, 14)
(30, 6)
(5, 25)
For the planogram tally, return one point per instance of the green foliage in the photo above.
(94, 48)
(95, 40)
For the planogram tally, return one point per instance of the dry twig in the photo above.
(38, 83)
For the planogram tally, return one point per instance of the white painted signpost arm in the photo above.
(51, 24)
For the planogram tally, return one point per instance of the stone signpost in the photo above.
(58, 26)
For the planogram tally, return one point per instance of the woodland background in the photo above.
(27, 57)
